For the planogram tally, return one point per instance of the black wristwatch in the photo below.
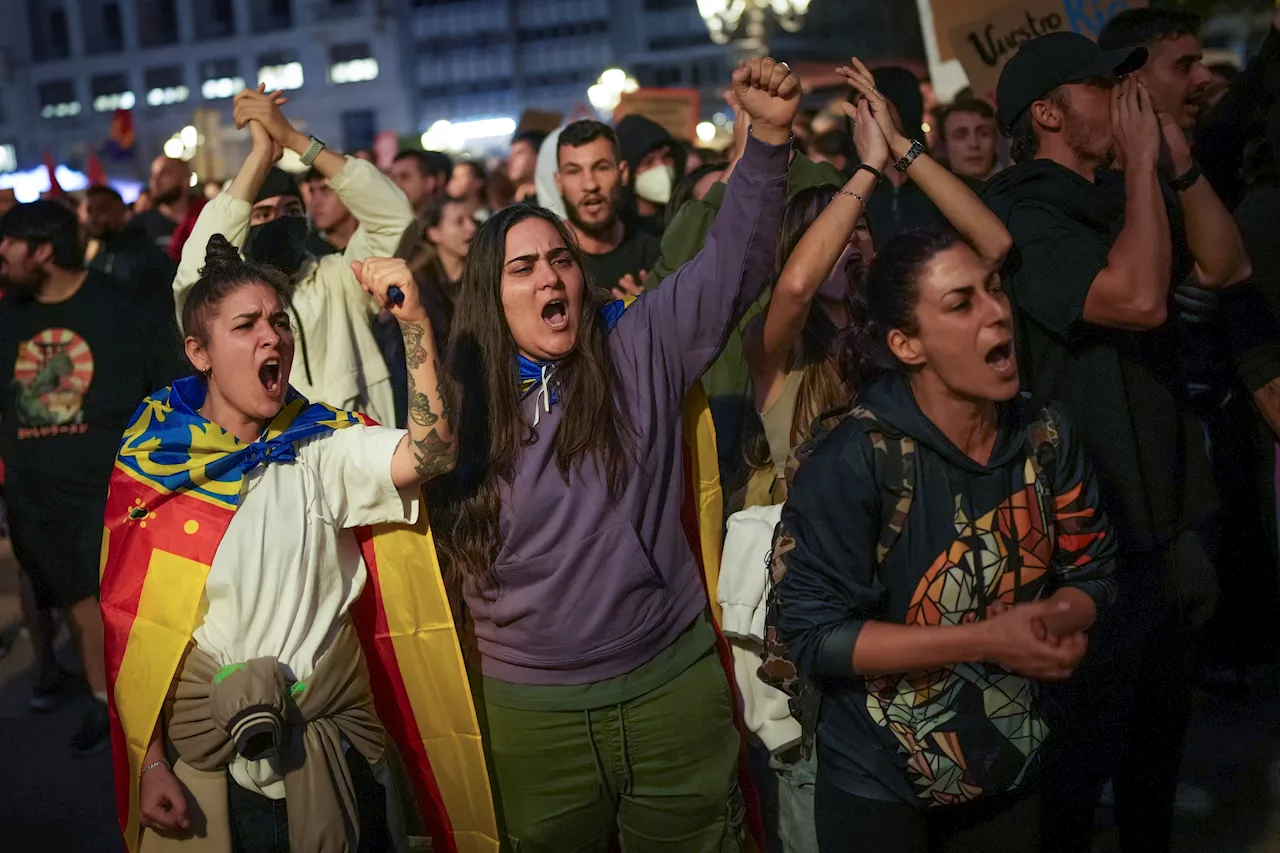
(917, 148)
(1187, 181)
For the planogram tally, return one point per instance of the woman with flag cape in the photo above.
(607, 711)
(245, 717)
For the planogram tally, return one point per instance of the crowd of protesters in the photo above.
(995, 389)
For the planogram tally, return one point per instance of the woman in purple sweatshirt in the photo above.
(607, 710)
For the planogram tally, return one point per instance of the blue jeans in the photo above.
(796, 829)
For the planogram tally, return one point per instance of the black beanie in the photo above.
(278, 182)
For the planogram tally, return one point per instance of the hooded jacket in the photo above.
(1013, 530)
(637, 136)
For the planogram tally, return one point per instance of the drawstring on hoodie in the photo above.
(545, 394)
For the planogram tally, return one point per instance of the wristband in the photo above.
(313, 151)
(863, 167)
(1187, 181)
(153, 765)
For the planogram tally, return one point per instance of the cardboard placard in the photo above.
(539, 121)
(984, 44)
(677, 110)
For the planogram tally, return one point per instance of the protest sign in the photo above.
(675, 109)
(983, 44)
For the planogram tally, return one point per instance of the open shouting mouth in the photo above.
(1000, 359)
(269, 375)
(556, 315)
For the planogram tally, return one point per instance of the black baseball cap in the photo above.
(1046, 62)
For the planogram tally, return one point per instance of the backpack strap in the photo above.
(895, 460)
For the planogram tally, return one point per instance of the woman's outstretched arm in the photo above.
(430, 448)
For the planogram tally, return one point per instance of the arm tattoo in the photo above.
(420, 409)
(446, 410)
(414, 354)
(435, 455)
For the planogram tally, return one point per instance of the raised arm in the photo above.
(228, 214)
(430, 449)
(377, 204)
(959, 204)
(770, 343)
(688, 318)
(1132, 290)
(1212, 234)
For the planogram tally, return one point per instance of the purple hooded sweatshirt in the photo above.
(585, 588)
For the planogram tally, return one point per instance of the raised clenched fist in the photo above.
(770, 95)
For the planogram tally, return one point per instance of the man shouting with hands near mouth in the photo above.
(262, 214)
(1100, 236)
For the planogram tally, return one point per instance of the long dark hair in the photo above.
(821, 386)
(483, 379)
(886, 300)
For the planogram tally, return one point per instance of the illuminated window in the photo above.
(354, 71)
(165, 86)
(352, 63)
(221, 87)
(220, 78)
(58, 99)
(284, 75)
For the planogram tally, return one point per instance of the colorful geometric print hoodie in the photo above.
(1010, 531)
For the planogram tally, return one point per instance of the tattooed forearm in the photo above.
(435, 455)
(420, 409)
(414, 353)
(432, 449)
(446, 409)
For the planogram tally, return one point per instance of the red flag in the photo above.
(97, 175)
(55, 189)
(122, 130)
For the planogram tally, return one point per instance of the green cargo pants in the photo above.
(659, 772)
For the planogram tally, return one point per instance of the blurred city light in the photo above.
(354, 71)
(286, 76)
(221, 87)
(606, 93)
(706, 131)
(28, 185)
(167, 95)
(173, 147)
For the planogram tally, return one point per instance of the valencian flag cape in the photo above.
(174, 489)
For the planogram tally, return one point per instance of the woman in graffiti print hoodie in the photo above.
(928, 654)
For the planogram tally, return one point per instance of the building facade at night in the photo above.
(357, 67)
(70, 64)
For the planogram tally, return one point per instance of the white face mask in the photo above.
(654, 185)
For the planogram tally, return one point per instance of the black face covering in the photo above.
(280, 243)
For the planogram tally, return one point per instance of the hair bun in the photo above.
(220, 253)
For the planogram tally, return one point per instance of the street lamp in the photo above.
(607, 92)
(724, 18)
